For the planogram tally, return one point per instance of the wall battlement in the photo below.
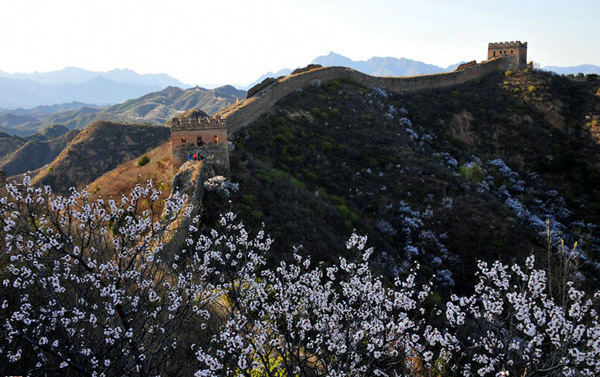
(510, 44)
(203, 122)
(514, 50)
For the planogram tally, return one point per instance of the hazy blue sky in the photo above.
(234, 41)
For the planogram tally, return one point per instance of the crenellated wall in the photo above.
(246, 111)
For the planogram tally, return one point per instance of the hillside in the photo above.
(125, 176)
(444, 176)
(153, 108)
(36, 153)
(98, 149)
(19, 154)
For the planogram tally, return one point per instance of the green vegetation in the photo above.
(472, 172)
(143, 160)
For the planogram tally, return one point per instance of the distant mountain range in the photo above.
(153, 108)
(584, 68)
(376, 66)
(28, 90)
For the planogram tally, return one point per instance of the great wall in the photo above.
(195, 132)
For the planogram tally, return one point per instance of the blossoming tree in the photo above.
(94, 287)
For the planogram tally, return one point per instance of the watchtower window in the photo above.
(511, 51)
(183, 140)
(494, 53)
(199, 141)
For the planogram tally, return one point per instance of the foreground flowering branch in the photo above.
(94, 288)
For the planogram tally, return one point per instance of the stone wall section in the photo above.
(248, 110)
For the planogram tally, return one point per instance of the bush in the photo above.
(318, 113)
(472, 172)
(143, 160)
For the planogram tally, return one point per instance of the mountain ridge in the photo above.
(573, 70)
(79, 75)
(153, 108)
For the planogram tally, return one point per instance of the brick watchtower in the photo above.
(196, 132)
(515, 51)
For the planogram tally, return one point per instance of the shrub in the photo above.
(318, 113)
(532, 89)
(143, 160)
(472, 172)
(508, 73)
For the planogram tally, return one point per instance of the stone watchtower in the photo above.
(196, 132)
(515, 51)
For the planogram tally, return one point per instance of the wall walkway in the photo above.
(248, 110)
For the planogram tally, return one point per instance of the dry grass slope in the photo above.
(124, 177)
